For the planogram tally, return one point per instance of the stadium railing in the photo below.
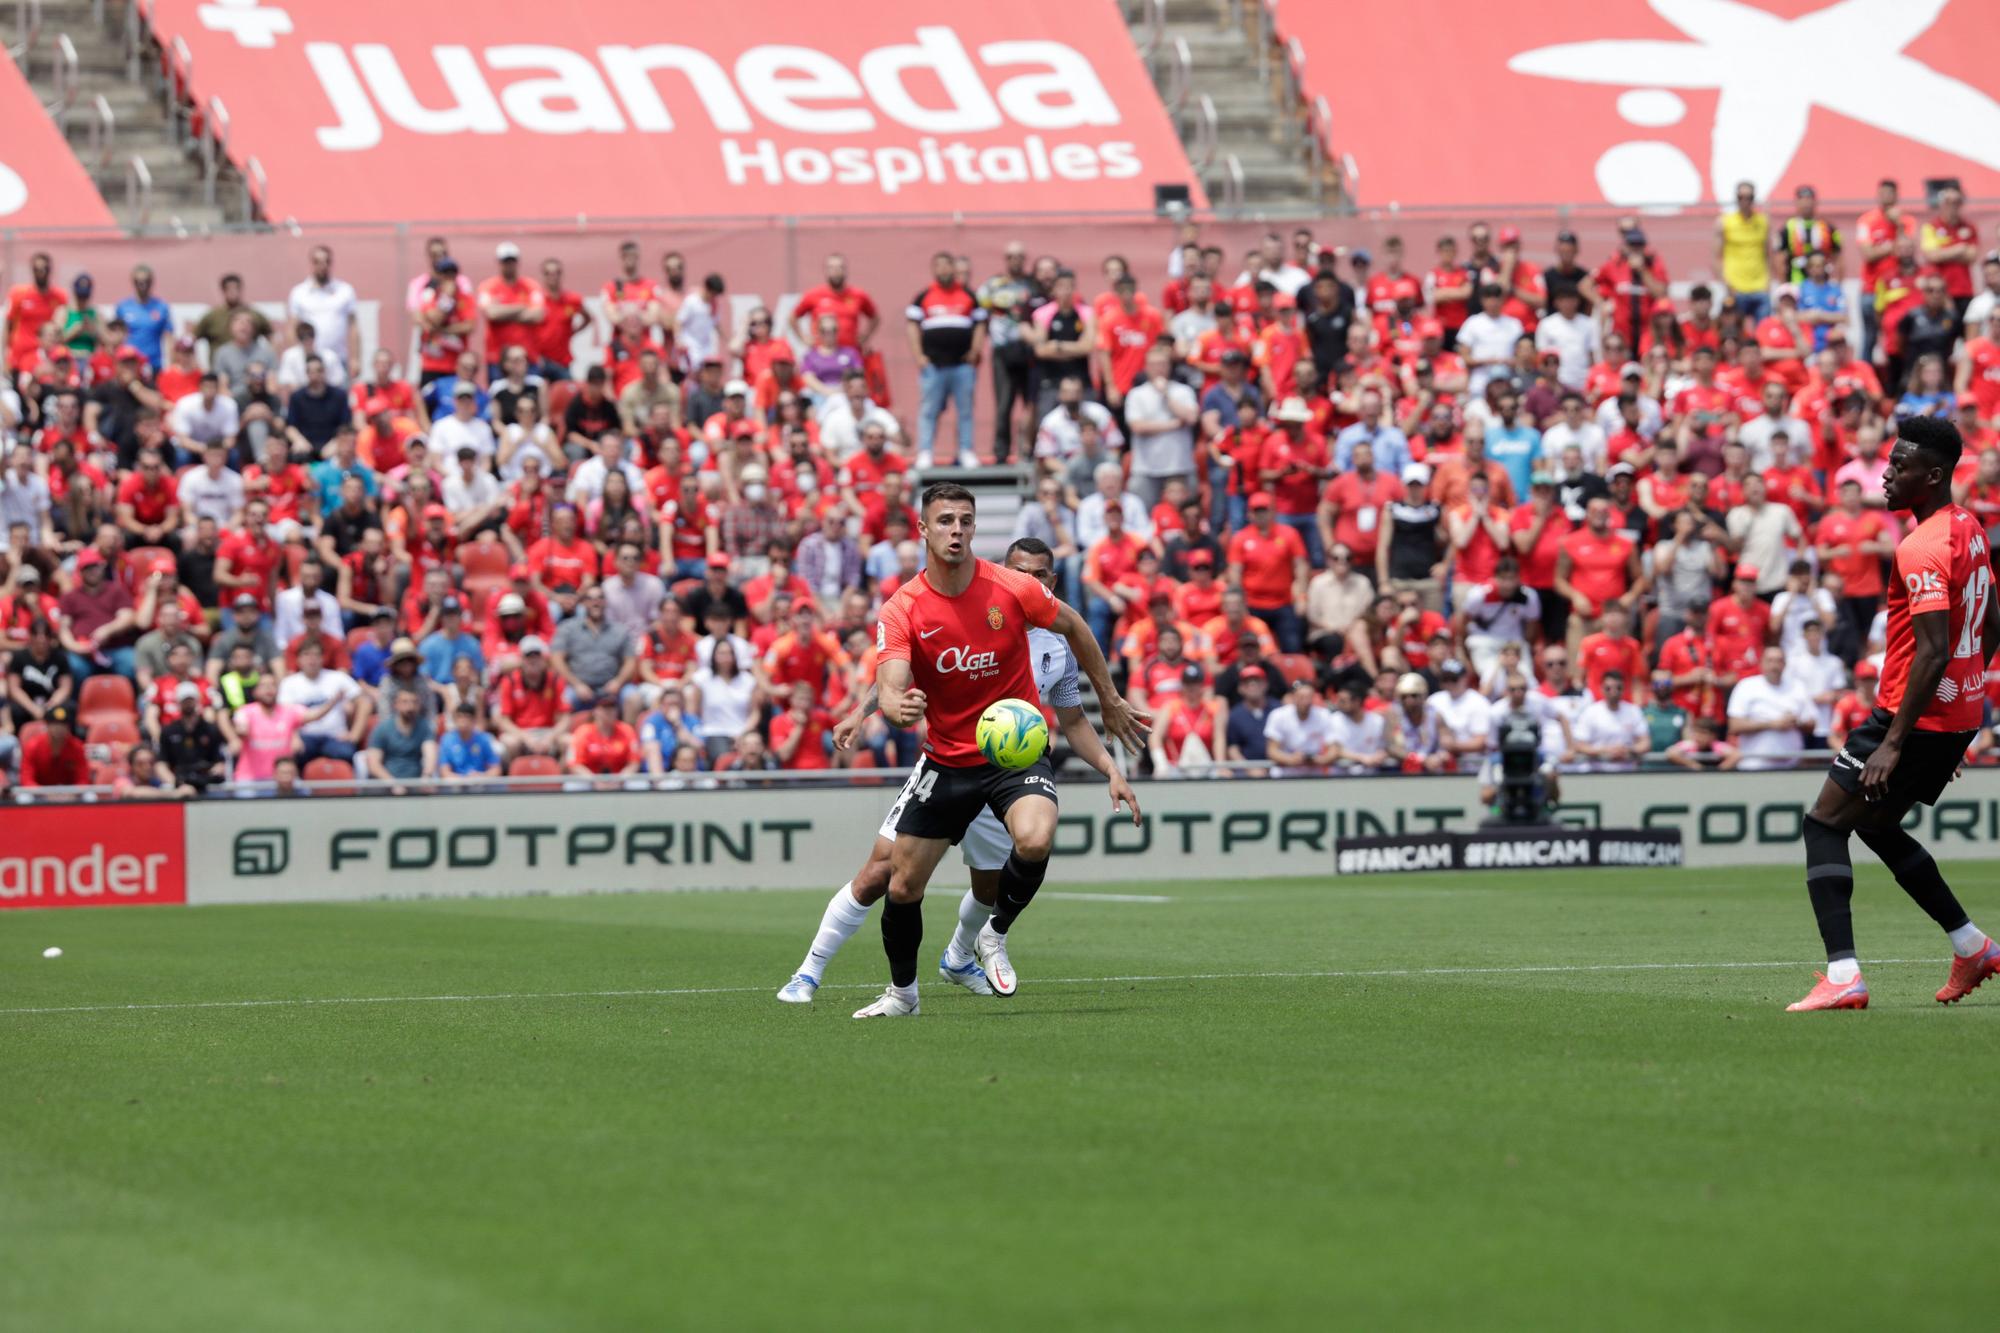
(727, 780)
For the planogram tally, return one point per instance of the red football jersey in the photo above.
(1941, 566)
(965, 652)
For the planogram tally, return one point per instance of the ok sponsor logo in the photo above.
(1924, 581)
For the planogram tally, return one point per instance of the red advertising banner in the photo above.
(42, 184)
(377, 110)
(92, 855)
(1646, 102)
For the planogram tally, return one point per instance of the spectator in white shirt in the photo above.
(25, 498)
(323, 695)
(1820, 674)
(1301, 732)
(1486, 340)
(587, 482)
(1571, 335)
(213, 490)
(328, 304)
(1360, 738)
(698, 324)
(1763, 435)
(288, 610)
(1110, 490)
(206, 416)
(1416, 734)
(1467, 715)
(1060, 435)
(843, 414)
(1574, 428)
(1770, 717)
(464, 428)
(292, 362)
(1798, 603)
(1612, 732)
(472, 494)
(1161, 413)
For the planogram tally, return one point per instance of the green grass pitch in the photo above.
(1485, 1101)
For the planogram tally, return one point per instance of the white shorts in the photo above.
(985, 846)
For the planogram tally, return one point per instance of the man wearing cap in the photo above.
(1244, 735)
(1410, 557)
(98, 625)
(450, 641)
(1267, 561)
(243, 627)
(513, 307)
(56, 757)
(1629, 283)
(528, 711)
(464, 428)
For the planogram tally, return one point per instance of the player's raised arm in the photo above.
(1121, 719)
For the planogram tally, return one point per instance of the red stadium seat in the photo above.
(295, 555)
(535, 766)
(481, 591)
(108, 696)
(1297, 667)
(485, 556)
(559, 395)
(143, 562)
(682, 587)
(111, 729)
(325, 769)
(357, 637)
(863, 759)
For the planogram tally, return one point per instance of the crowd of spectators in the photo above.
(1321, 510)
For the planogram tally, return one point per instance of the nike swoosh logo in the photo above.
(927, 633)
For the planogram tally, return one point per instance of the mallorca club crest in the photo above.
(995, 618)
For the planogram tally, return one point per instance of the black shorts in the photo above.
(1930, 758)
(941, 802)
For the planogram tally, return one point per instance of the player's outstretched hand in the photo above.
(1128, 724)
(909, 709)
(1121, 794)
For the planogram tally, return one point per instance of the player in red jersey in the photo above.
(949, 643)
(1943, 628)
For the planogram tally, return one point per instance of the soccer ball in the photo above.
(1012, 733)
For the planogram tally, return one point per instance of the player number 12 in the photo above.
(1977, 589)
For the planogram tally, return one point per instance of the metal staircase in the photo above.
(1231, 89)
(161, 163)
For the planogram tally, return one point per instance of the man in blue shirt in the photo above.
(1822, 304)
(345, 463)
(1392, 448)
(1245, 729)
(370, 658)
(1510, 440)
(466, 751)
(449, 642)
(148, 319)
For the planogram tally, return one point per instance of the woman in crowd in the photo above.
(723, 698)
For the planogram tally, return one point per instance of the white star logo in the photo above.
(1771, 73)
(246, 20)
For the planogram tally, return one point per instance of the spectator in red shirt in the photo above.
(1127, 326)
(1267, 560)
(30, 305)
(528, 712)
(513, 306)
(1595, 566)
(563, 317)
(1613, 649)
(56, 757)
(601, 744)
(1630, 283)
(798, 735)
(563, 557)
(1852, 541)
(247, 560)
(149, 507)
(852, 309)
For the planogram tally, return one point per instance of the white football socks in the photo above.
(972, 914)
(1843, 971)
(842, 918)
(1967, 940)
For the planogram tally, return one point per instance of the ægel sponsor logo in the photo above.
(962, 659)
(80, 857)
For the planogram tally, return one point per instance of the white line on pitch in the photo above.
(1107, 897)
(1345, 974)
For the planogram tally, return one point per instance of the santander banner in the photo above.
(92, 856)
(41, 182)
(1653, 102)
(381, 110)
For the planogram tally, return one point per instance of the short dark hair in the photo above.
(939, 492)
(1031, 546)
(1935, 437)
